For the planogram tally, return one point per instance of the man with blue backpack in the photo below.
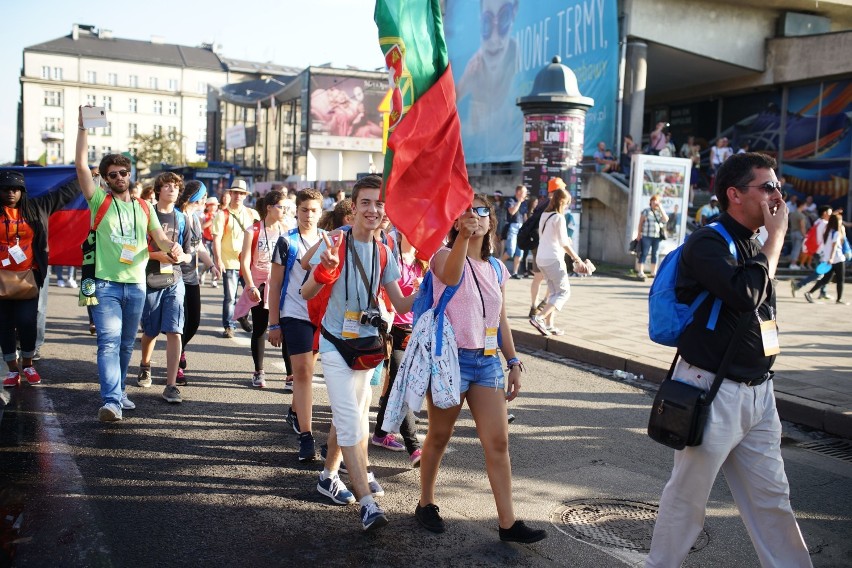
(742, 436)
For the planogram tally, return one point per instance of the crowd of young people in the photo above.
(312, 292)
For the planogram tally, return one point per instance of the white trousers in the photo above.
(743, 439)
(349, 396)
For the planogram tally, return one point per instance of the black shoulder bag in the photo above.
(680, 410)
(362, 353)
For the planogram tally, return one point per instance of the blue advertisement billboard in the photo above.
(497, 47)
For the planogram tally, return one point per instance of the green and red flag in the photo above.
(425, 179)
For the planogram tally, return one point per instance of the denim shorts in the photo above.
(478, 369)
(163, 310)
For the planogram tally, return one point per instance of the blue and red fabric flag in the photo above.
(67, 228)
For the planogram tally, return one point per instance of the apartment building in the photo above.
(146, 87)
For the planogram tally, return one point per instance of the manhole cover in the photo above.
(613, 522)
(835, 448)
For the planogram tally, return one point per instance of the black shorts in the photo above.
(298, 335)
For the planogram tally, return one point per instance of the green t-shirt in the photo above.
(123, 224)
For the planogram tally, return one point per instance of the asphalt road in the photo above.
(215, 480)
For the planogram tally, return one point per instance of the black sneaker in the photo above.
(522, 533)
(293, 421)
(307, 448)
(245, 324)
(430, 519)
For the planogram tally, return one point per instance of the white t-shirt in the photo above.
(294, 305)
(357, 291)
(553, 238)
(826, 248)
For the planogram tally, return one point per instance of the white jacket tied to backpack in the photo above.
(422, 367)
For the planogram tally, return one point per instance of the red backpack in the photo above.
(256, 228)
(102, 210)
(811, 244)
(319, 303)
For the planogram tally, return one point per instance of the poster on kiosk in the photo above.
(668, 178)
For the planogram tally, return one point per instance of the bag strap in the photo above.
(102, 210)
(732, 349)
(373, 300)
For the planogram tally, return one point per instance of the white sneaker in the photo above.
(214, 284)
(795, 267)
(110, 412)
(126, 403)
(258, 380)
(60, 283)
(72, 283)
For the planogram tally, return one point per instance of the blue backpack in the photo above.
(667, 317)
(425, 294)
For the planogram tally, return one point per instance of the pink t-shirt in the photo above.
(410, 273)
(465, 309)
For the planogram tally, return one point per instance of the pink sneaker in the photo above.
(13, 379)
(388, 442)
(414, 458)
(181, 378)
(32, 375)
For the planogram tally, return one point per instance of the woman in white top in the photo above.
(553, 244)
(831, 251)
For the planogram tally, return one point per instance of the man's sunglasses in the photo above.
(768, 187)
(481, 211)
(122, 173)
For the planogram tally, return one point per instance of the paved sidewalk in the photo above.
(606, 323)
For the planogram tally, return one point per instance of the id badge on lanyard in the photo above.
(17, 254)
(128, 253)
(769, 334)
(490, 341)
(351, 324)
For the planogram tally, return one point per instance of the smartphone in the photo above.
(94, 117)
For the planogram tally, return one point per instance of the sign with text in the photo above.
(345, 113)
(497, 48)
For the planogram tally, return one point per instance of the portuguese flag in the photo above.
(426, 186)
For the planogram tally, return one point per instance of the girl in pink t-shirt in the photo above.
(476, 312)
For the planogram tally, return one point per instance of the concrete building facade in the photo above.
(145, 87)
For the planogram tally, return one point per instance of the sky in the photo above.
(287, 32)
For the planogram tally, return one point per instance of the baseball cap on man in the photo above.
(239, 185)
(714, 198)
(555, 183)
(11, 178)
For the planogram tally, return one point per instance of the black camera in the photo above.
(373, 317)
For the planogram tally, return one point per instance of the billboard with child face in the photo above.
(497, 47)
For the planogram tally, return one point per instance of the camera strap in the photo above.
(372, 300)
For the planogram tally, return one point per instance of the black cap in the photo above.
(11, 178)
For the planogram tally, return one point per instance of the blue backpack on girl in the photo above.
(425, 294)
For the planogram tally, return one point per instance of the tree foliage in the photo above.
(157, 148)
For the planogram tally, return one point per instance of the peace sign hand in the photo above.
(329, 257)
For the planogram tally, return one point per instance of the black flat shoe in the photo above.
(522, 533)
